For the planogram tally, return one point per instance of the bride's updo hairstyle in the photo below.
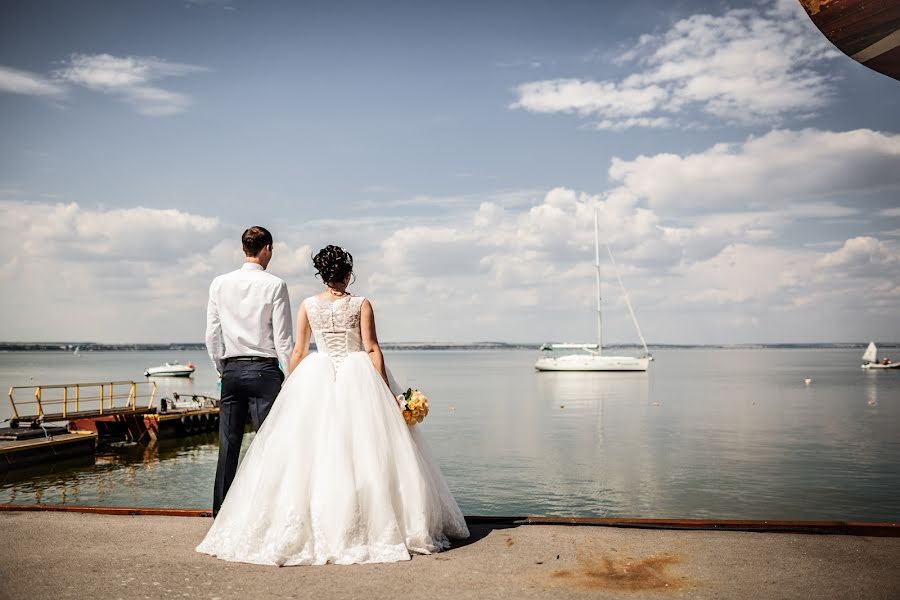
(333, 264)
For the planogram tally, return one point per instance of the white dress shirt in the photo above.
(249, 314)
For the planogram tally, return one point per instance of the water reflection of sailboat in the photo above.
(574, 389)
(872, 393)
(599, 449)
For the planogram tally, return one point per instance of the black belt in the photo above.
(264, 359)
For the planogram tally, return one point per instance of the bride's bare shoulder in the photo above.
(308, 304)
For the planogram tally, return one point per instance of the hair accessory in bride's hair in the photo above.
(333, 264)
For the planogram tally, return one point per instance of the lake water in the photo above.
(707, 433)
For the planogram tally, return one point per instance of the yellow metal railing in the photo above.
(60, 401)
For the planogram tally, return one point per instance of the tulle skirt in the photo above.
(335, 475)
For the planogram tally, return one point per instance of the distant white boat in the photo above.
(170, 369)
(590, 357)
(870, 359)
(76, 354)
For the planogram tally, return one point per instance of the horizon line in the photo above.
(73, 344)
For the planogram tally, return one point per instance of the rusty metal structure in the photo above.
(65, 401)
(868, 31)
(803, 527)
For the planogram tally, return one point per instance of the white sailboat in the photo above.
(870, 359)
(591, 357)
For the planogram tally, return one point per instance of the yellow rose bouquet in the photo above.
(414, 405)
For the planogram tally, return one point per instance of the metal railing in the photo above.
(70, 400)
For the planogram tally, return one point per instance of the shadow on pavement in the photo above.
(481, 527)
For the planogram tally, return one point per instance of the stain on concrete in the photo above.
(624, 574)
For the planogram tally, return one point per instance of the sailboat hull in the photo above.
(879, 366)
(587, 362)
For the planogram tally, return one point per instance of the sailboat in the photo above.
(870, 359)
(590, 357)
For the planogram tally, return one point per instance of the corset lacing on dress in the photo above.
(335, 326)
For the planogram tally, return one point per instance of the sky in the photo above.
(746, 174)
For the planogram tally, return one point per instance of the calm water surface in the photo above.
(706, 433)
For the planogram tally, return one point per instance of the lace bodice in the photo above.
(335, 326)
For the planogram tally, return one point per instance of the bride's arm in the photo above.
(370, 338)
(301, 348)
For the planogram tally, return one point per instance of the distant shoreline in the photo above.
(196, 346)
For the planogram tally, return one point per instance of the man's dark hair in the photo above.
(255, 239)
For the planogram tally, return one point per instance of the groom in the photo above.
(248, 330)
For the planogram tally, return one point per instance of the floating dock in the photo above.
(18, 448)
(85, 413)
(181, 423)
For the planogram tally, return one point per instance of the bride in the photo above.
(335, 475)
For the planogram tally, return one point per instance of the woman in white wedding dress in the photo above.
(335, 475)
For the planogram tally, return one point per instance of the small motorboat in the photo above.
(171, 369)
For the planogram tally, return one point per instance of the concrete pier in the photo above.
(73, 555)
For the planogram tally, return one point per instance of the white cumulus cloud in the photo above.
(124, 274)
(743, 66)
(865, 255)
(772, 170)
(707, 244)
(70, 232)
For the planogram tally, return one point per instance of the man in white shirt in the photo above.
(248, 331)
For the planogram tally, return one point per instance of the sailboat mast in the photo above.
(597, 266)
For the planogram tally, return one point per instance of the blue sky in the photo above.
(745, 171)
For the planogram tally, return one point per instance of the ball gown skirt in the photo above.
(335, 475)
